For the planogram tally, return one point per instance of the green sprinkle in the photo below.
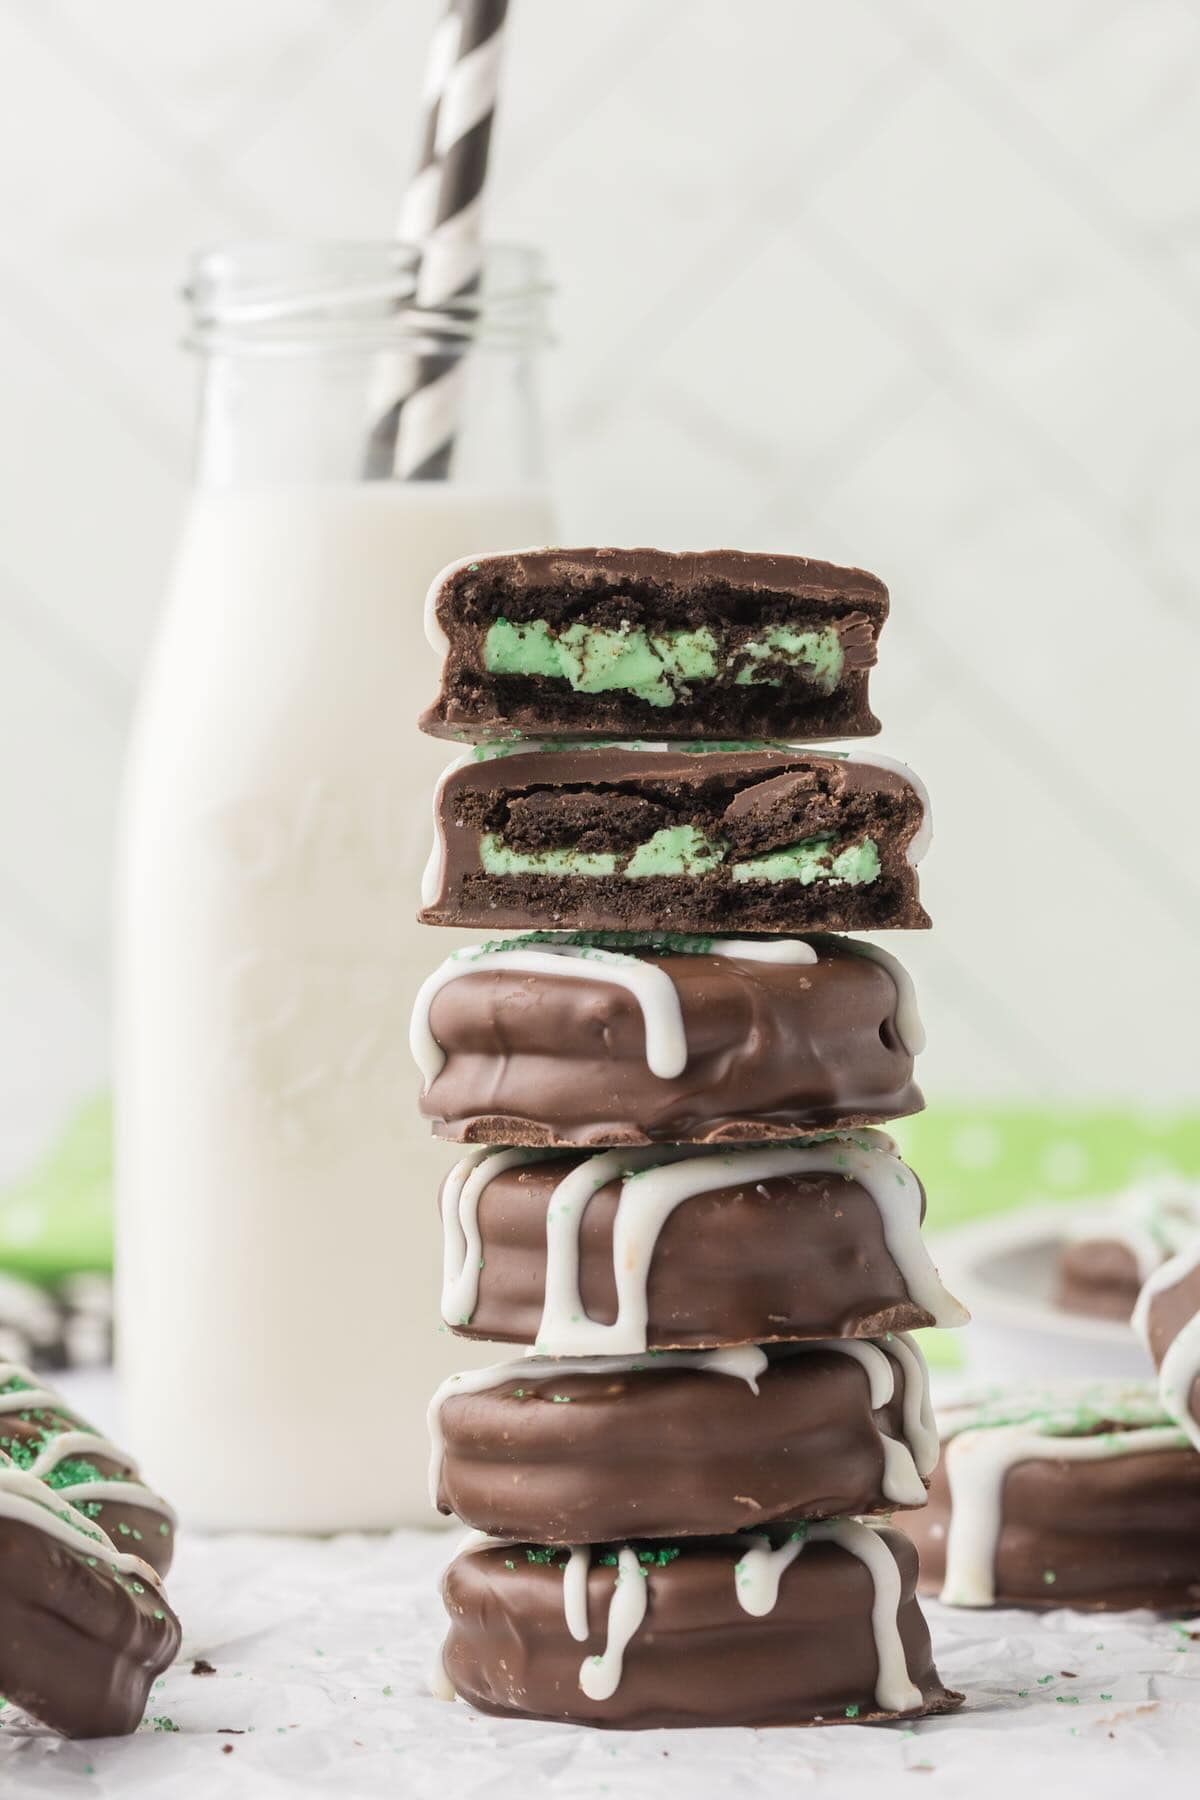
(509, 1563)
(388, 1692)
(1049, 1577)
(852, 1712)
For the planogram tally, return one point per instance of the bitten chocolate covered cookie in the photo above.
(1086, 1497)
(701, 838)
(672, 1249)
(683, 1443)
(41, 1434)
(1111, 1250)
(619, 1038)
(814, 1625)
(719, 643)
(1168, 1319)
(84, 1626)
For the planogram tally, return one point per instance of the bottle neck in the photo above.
(321, 365)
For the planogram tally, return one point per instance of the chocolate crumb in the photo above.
(201, 1667)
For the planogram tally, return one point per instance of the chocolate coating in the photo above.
(775, 1050)
(795, 1256)
(698, 1658)
(79, 1647)
(667, 1451)
(1169, 1310)
(1098, 1277)
(735, 593)
(757, 801)
(1114, 1534)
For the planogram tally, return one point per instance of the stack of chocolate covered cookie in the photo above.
(674, 1200)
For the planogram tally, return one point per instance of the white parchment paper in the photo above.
(322, 1651)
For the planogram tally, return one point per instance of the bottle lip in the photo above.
(297, 297)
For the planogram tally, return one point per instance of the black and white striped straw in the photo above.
(442, 212)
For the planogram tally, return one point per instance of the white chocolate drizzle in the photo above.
(1051, 1426)
(908, 1461)
(650, 985)
(81, 1442)
(757, 1572)
(600, 1676)
(763, 1566)
(648, 982)
(743, 1362)
(654, 1181)
(27, 1500)
(1180, 1367)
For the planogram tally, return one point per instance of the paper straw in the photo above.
(442, 211)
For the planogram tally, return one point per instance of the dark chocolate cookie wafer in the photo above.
(817, 1625)
(761, 839)
(592, 1039)
(683, 1443)
(1086, 1497)
(719, 643)
(677, 1249)
(84, 1626)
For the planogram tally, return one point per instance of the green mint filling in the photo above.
(683, 850)
(814, 860)
(656, 666)
(817, 654)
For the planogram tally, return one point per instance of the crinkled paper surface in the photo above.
(322, 1651)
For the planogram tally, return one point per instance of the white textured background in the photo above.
(914, 283)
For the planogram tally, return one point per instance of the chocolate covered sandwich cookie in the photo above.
(668, 1248)
(683, 1443)
(625, 1038)
(704, 837)
(816, 1624)
(84, 1626)
(1110, 1251)
(42, 1435)
(1167, 1317)
(618, 642)
(1086, 1497)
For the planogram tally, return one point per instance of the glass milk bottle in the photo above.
(277, 1234)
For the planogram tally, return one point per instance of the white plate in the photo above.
(1004, 1270)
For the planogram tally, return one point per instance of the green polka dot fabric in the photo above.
(57, 1220)
(983, 1159)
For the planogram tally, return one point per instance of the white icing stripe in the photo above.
(744, 1362)
(901, 1482)
(767, 950)
(600, 1676)
(462, 1249)
(977, 1464)
(1180, 1366)
(760, 1570)
(909, 1027)
(82, 1443)
(920, 1424)
(923, 836)
(575, 1594)
(650, 985)
(29, 1501)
